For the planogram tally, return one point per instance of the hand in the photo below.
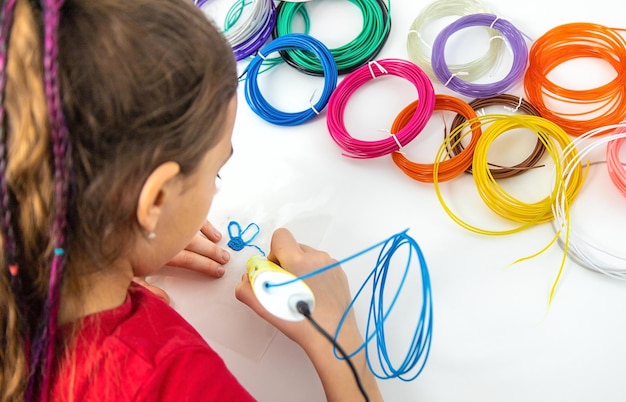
(331, 291)
(202, 254)
(332, 297)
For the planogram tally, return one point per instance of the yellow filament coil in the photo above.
(496, 198)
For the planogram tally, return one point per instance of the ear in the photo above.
(154, 193)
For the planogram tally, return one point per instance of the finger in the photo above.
(206, 248)
(306, 248)
(196, 262)
(210, 232)
(245, 294)
(284, 246)
(242, 288)
(158, 292)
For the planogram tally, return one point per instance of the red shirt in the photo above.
(143, 351)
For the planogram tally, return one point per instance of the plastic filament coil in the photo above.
(419, 50)
(257, 102)
(510, 34)
(511, 104)
(360, 50)
(449, 168)
(247, 36)
(617, 173)
(605, 105)
(360, 149)
(590, 254)
(495, 197)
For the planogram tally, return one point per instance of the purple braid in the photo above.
(44, 343)
(6, 226)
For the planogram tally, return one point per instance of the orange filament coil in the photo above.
(449, 168)
(595, 107)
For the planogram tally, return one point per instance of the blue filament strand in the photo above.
(419, 349)
(237, 241)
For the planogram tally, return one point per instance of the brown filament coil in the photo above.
(449, 168)
(513, 104)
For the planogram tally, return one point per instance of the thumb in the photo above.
(284, 247)
(245, 294)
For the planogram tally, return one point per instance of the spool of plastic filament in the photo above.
(261, 107)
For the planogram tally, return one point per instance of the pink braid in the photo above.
(44, 344)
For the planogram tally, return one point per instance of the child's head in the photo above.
(147, 89)
(144, 82)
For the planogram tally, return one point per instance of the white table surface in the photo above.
(494, 338)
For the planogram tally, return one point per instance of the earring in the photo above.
(151, 236)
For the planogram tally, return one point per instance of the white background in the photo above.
(494, 337)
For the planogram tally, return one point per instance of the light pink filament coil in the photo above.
(617, 173)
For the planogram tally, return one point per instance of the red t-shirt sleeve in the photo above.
(192, 374)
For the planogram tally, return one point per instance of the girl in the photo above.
(116, 118)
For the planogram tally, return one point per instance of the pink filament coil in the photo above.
(361, 149)
(617, 173)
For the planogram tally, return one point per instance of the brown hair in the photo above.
(142, 82)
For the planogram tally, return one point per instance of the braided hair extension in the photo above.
(44, 342)
(57, 209)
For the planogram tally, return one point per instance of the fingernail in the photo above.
(220, 271)
(225, 256)
(217, 234)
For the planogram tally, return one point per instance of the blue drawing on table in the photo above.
(239, 239)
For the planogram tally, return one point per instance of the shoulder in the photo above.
(184, 366)
(143, 351)
(154, 330)
(192, 374)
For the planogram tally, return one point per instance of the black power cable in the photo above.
(303, 308)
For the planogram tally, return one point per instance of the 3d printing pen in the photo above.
(278, 290)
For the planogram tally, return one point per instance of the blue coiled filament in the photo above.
(379, 362)
(257, 102)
